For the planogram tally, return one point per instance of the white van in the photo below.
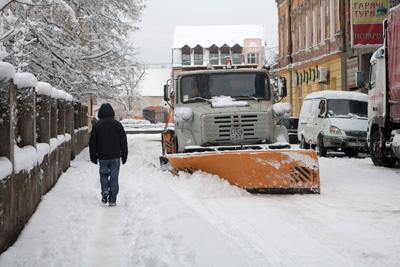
(334, 120)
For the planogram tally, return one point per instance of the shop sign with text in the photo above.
(366, 19)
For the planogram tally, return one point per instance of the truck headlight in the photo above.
(183, 114)
(335, 130)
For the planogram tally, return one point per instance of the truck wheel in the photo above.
(376, 153)
(303, 143)
(321, 148)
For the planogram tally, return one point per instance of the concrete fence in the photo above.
(41, 131)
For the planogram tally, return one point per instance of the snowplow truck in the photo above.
(225, 124)
(384, 95)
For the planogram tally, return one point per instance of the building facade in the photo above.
(194, 47)
(315, 48)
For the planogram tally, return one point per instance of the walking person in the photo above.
(109, 146)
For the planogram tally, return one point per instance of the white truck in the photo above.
(384, 95)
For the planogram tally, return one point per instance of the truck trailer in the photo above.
(384, 95)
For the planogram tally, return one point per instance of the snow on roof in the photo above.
(330, 94)
(153, 81)
(206, 36)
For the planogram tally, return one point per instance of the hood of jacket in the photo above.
(106, 111)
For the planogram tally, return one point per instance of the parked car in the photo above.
(334, 120)
(291, 125)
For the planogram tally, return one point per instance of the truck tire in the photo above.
(303, 143)
(321, 148)
(376, 153)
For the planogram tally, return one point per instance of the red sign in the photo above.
(367, 17)
(367, 34)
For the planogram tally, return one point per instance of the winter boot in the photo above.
(104, 198)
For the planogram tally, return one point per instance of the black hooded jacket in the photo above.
(108, 137)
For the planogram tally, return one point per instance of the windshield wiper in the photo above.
(197, 98)
(249, 96)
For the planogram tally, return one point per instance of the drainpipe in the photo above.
(343, 45)
(290, 49)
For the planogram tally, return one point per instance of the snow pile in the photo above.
(396, 140)
(133, 121)
(62, 95)
(5, 167)
(7, 71)
(25, 80)
(43, 88)
(182, 114)
(43, 149)
(282, 109)
(69, 97)
(226, 101)
(25, 158)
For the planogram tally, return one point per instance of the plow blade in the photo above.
(281, 171)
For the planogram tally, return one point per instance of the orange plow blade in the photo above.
(259, 171)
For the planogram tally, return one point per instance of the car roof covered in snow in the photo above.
(338, 95)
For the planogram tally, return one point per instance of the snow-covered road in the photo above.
(201, 220)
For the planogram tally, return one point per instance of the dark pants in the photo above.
(109, 170)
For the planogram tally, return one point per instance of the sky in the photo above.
(201, 220)
(154, 39)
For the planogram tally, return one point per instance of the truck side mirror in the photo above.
(166, 92)
(282, 89)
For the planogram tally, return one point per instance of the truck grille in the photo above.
(217, 127)
(358, 134)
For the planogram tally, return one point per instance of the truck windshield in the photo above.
(236, 85)
(347, 108)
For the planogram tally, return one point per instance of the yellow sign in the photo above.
(372, 11)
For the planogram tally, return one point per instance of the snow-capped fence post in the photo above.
(69, 129)
(7, 113)
(80, 130)
(7, 100)
(53, 136)
(43, 107)
(26, 181)
(61, 131)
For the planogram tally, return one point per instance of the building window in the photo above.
(315, 25)
(214, 57)
(237, 58)
(301, 32)
(252, 58)
(323, 20)
(332, 12)
(294, 35)
(198, 59)
(198, 55)
(308, 29)
(186, 55)
(225, 54)
(237, 54)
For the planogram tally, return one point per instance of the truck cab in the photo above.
(226, 108)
